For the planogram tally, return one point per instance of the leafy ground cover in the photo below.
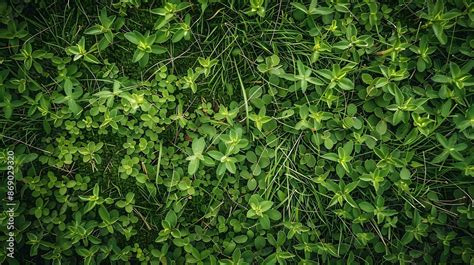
(238, 132)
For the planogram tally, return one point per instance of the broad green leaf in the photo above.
(198, 146)
(171, 218)
(91, 59)
(133, 37)
(366, 207)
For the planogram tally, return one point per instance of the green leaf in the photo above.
(241, 239)
(158, 49)
(73, 50)
(264, 222)
(94, 30)
(405, 173)
(351, 186)
(381, 127)
(74, 107)
(104, 214)
(443, 141)
(91, 59)
(231, 167)
(323, 11)
(441, 79)
(96, 190)
(198, 146)
(407, 238)
(266, 205)
(133, 37)
(252, 184)
(299, 7)
(439, 32)
(171, 218)
(346, 84)
(273, 214)
(193, 166)
(366, 207)
(331, 156)
(331, 185)
(216, 154)
(137, 55)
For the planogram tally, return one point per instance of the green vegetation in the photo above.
(238, 132)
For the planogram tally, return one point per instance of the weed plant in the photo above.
(238, 132)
